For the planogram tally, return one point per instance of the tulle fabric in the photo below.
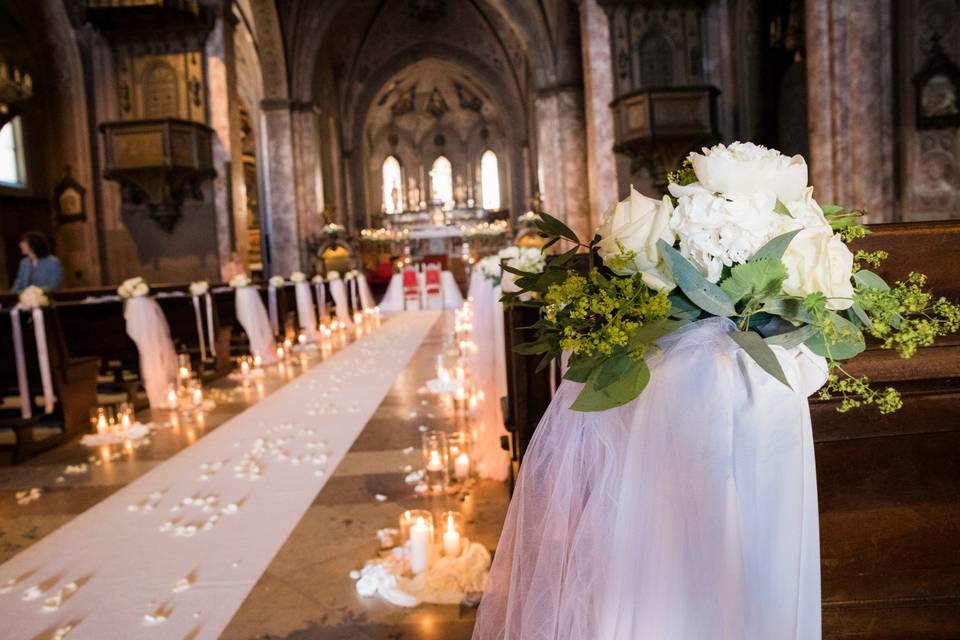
(252, 316)
(493, 462)
(147, 327)
(366, 296)
(339, 294)
(687, 514)
(305, 315)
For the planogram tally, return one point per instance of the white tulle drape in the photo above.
(366, 296)
(339, 294)
(687, 514)
(305, 313)
(252, 316)
(147, 327)
(492, 460)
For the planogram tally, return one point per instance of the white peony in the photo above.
(199, 288)
(133, 288)
(716, 231)
(817, 260)
(298, 276)
(634, 226)
(33, 297)
(333, 275)
(276, 282)
(744, 168)
(239, 281)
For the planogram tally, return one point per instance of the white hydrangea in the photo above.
(490, 267)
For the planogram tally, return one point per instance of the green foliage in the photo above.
(760, 352)
(698, 289)
(856, 392)
(684, 175)
(782, 209)
(755, 279)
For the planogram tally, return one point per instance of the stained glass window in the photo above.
(490, 180)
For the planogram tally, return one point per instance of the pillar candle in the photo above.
(419, 546)
(451, 539)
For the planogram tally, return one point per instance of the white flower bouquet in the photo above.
(739, 236)
(199, 288)
(490, 268)
(298, 276)
(333, 275)
(33, 297)
(276, 282)
(527, 260)
(317, 279)
(333, 229)
(240, 280)
(133, 288)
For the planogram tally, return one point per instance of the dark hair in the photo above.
(37, 243)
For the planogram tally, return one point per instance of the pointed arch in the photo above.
(490, 180)
(441, 182)
(392, 174)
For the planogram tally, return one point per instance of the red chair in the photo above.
(433, 285)
(411, 286)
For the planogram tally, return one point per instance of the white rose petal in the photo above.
(743, 168)
(817, 260)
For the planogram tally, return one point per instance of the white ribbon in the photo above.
(43, 357)
(148, 328)
(196, 312)
(321, 300)
(212, 336)
(353, 295)
(272, 302)
(253, 318)
(339, 294)
(305, 310)
(366, 296)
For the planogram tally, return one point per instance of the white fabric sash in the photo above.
(43, 356)
(366, 296)
(253, 318)
(210, 334)
(200, 334)
(147, 327)
(274, 315)
(339, 294)
(305, 310)
(321, 292)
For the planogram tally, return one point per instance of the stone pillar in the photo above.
(562, 157)
(598, 90)
(851, 108)
(279, 199)
(309, 184)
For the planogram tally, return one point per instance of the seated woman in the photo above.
(37, 267)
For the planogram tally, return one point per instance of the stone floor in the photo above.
(306, 592)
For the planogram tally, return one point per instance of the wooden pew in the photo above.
(74, 385)
(889, 486)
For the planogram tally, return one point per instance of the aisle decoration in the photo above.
(338, 292)
(147, 327)
(274, 283)
(321, 293)
(200, 289)
(32, 300)
(253, 317)
(305, 314)
(114, 426)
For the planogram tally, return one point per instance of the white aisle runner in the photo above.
(126, 563)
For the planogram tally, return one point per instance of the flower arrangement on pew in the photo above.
(133, 288)
(276, 282)
(33, 297)
(298, 276)
(199, 288)
(740, 236)
(240, 281)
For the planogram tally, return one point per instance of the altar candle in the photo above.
(419, 546)
(184, 374)
(461, 466)
(451, 539)
(434, 463)
(288, 344)
(358, 317)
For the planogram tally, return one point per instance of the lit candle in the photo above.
(419, 546)
(358, 317)
(257, 362)
(280, 353)
(125, 421)
(461, 466)
(197, 397)
(245, 367)
(302, 338)
(434, 463)
(101, 423)
(184, 374)
(288, 344)
(451, 539)
(172, 399)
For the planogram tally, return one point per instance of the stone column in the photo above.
(309, 184)
(279, 199)
(562, 157)
(851, 109)
(598, 90)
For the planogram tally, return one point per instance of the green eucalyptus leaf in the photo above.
(698, 289)
(620, 392)
(681, 308)
(653, 331)
(775, 247)
(830, 209)
(858, 316)
(760, 352)
(789, 309)
(613, 369)
(870, 280)
(782, 209)
(792, 339)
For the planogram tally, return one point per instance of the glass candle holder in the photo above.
(452, 533)
(125, 416)
(459, 455)
(100, 420)
(436, 460)
(416, 533)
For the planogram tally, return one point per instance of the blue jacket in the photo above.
(46, 275)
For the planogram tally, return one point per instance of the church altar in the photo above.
(393, 298)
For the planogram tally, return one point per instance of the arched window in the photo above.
(441, 182)
(392, 186)
(490, 181)
(12, 173)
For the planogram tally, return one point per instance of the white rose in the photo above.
(298, 276)
(199, 288)
(333, 275)
(276, 281)
(817, 260)
(33, 297)
(239, 281)
(635, 225)
(743, 168)
(806, 212)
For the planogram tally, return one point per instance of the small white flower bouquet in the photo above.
(133, 288)
(333, 275)
(739, 236)
(199, 288)
(298, 276)
(240, 280)
(33, 297)
(276, 282)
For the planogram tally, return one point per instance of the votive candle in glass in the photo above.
(452, 527)
(416, 533)
(435, 460)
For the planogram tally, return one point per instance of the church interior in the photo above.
(274, 186)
